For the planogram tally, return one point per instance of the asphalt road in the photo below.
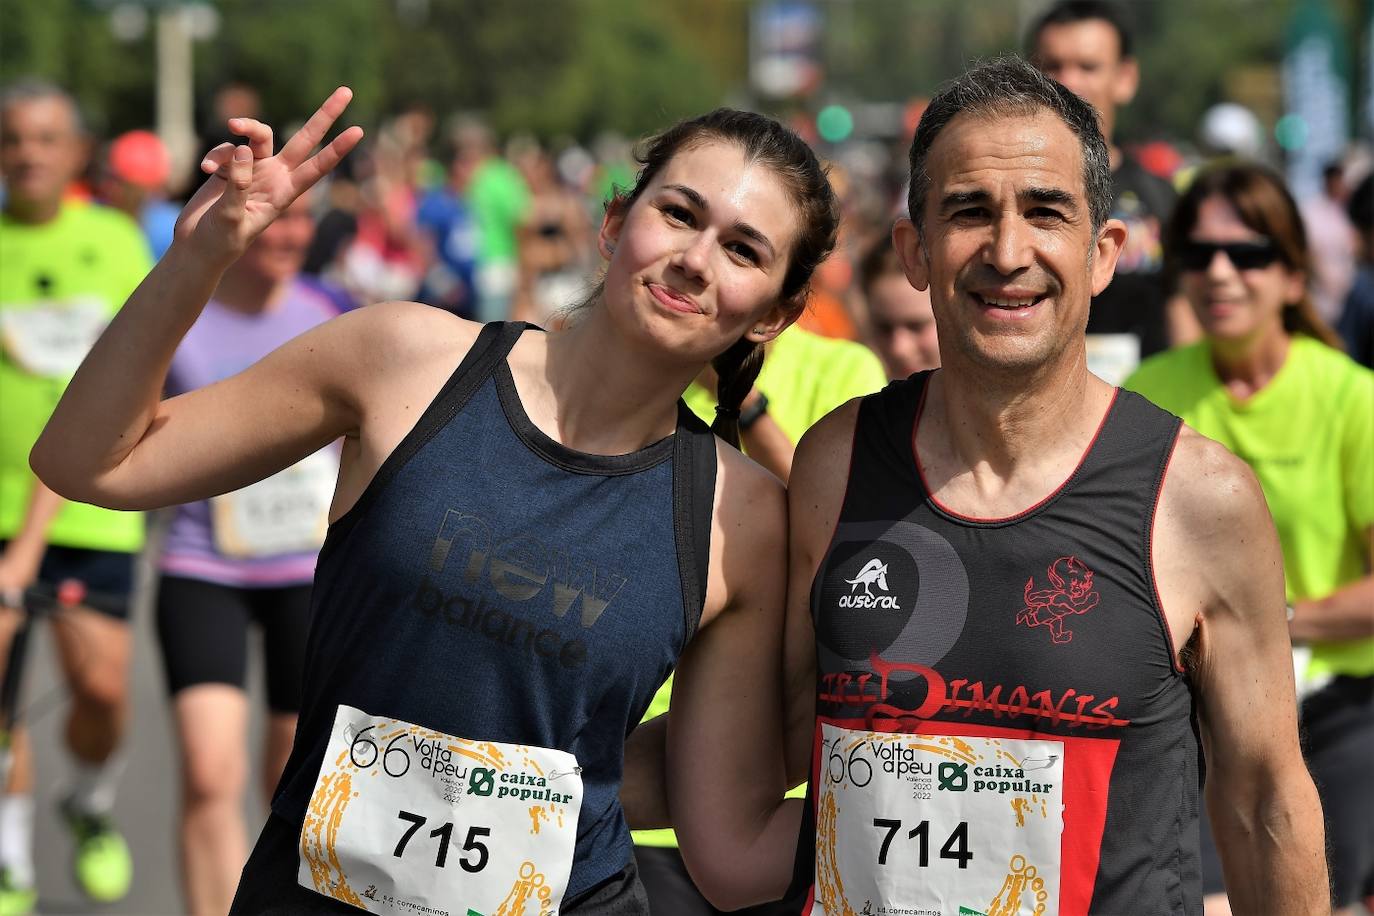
(148, 792)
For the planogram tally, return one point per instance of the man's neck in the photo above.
(993, 446)
(31, 212)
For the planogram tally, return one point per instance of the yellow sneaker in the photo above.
(104, 868)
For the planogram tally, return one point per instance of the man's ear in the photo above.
(906, 239)
(1110, 242)
(611, 224)
(1127, 81)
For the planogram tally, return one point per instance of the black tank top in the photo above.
(1045, 628)
(492, 582)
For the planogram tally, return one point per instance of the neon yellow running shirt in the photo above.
(804, 376)
(1309, 437)
(60, 283)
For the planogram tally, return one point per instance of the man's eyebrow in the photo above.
(1058, 196)
(741, 227)
(1051, 196)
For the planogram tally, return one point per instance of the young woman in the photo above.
(1269, 384)
(521, 546)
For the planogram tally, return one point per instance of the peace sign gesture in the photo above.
(249, 186)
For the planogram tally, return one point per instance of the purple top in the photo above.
(221, 343)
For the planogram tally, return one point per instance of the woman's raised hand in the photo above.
(249, 186)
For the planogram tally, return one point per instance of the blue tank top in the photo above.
(492, 583)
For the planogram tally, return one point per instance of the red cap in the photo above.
(139, 157)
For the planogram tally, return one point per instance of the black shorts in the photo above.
(202, 629)
(268, 884)
(108, 575)
(1338, 741)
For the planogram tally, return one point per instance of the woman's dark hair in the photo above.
(1263, 203)
(765, 141)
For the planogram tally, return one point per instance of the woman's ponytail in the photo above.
(736, 370)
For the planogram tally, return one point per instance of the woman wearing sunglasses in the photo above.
(1270, 383)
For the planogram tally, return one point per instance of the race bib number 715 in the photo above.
(405, 819)
(937, 825)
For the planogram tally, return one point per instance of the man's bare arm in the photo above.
(1216, 551)
(814, 496)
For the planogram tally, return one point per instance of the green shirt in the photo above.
(60, 283)
(498, 199)
(1309, 437)
(804, 376)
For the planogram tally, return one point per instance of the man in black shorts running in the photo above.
(65, 268)
(1020, 597)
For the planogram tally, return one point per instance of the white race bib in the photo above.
(936, 825)
(408, 820)
(286, 513)
(50, 339)
(1113, 357)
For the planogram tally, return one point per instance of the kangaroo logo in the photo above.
(873, 573)
(1070, 592)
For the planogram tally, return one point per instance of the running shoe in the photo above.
(14, 899)
(104, 869)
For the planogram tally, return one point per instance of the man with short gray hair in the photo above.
(1020, 598)
(65, 268)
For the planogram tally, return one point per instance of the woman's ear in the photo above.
(776, 320)
(611, 224)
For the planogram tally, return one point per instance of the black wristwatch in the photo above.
(751, 414)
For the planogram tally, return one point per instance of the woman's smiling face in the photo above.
(697, 260)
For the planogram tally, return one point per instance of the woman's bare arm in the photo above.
(113, 442)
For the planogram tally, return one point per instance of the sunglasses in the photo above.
(1242, 255)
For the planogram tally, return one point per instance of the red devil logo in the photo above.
(1070, 592)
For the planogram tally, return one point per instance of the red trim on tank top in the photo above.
(1150, 551)
(930, 495)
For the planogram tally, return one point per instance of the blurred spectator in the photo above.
(244, 557)
(388, 255)
(556, 242)
(497, 200)
(1333, 243)
(901, 324)
(1357, 318)
(1086, 46)
(65, 269)
(1268, 383)
(133, 178)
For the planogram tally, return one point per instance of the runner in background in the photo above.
(497, 199)
(1086, 46)
(804, 377)
(132, 177)
(1357, 318)
(901, 323)
(243, 559)
(65, 269)
(555, 241)
(1269, 383)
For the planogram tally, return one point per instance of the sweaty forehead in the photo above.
(735, 187)
(1005, 152)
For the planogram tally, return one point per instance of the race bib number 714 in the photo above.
(405, 819)
(937, 825)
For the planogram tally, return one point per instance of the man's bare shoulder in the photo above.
(1210, 494)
